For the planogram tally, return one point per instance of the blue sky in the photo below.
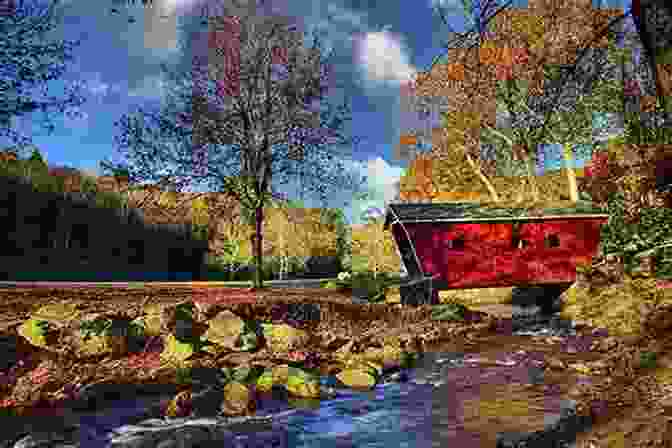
(379, 44)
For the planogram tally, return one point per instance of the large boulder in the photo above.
(177, 352)
(180, 406)
(156, 318)
(63, 326)
(98, 334)
(44, 326)
(322, 266)
(225, 331)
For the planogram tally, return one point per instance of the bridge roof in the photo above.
(467, 212)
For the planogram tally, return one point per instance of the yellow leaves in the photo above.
(377, 246)
(199, 210)
(531, 27)
(448, 196)
(167, 199)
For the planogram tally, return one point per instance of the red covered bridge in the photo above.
(465, 245)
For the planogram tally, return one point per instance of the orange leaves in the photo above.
(488, 53)
(455, 71)
(448, 196)
(409, 140)
(503, 59)
(420, 174)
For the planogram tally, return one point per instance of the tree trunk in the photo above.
(530, 178)
(258, 237)
(491, 189)
(571, 175)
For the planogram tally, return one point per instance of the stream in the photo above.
(435, 404)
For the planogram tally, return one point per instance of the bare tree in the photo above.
(252, 114)
(30, 61)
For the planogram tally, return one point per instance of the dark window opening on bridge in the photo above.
(519, 243)
(552, 241)
(457, 243)
(137, 249)
(80, 236)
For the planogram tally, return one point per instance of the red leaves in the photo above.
(279, 55)
(520, 56)
(599, 166)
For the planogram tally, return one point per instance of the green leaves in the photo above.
(449, 312)
(647, 360)
(96, 327)
(183, 375)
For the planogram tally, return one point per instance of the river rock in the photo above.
(224, 331)
(301, 384)
(389, 356)
(357, 378)
(155, 318)
(98, 334)
(180, 405)
(295, 381)
(39, 333)
(69, 436)
(238, 400)
(283, 337)
(177, 352)
(44, 326)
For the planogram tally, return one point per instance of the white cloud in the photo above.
(383, 181)
(383, 58)
(161, 25)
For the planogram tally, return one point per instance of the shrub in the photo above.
(631, 238)
(372, 287)
(647, 360)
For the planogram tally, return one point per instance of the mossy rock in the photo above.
(243, 374)
(449, 312)
(302, 384)
(330, 285)
(373, 368)
(388, 356)
(101, 334)
(39, 333)
(297, 382)
(178, 352)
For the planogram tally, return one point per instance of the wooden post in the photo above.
(614, 268)
(582, 279)
(647, 265)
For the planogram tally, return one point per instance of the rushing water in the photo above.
(419, 408)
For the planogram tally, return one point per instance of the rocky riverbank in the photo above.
(219, 354)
